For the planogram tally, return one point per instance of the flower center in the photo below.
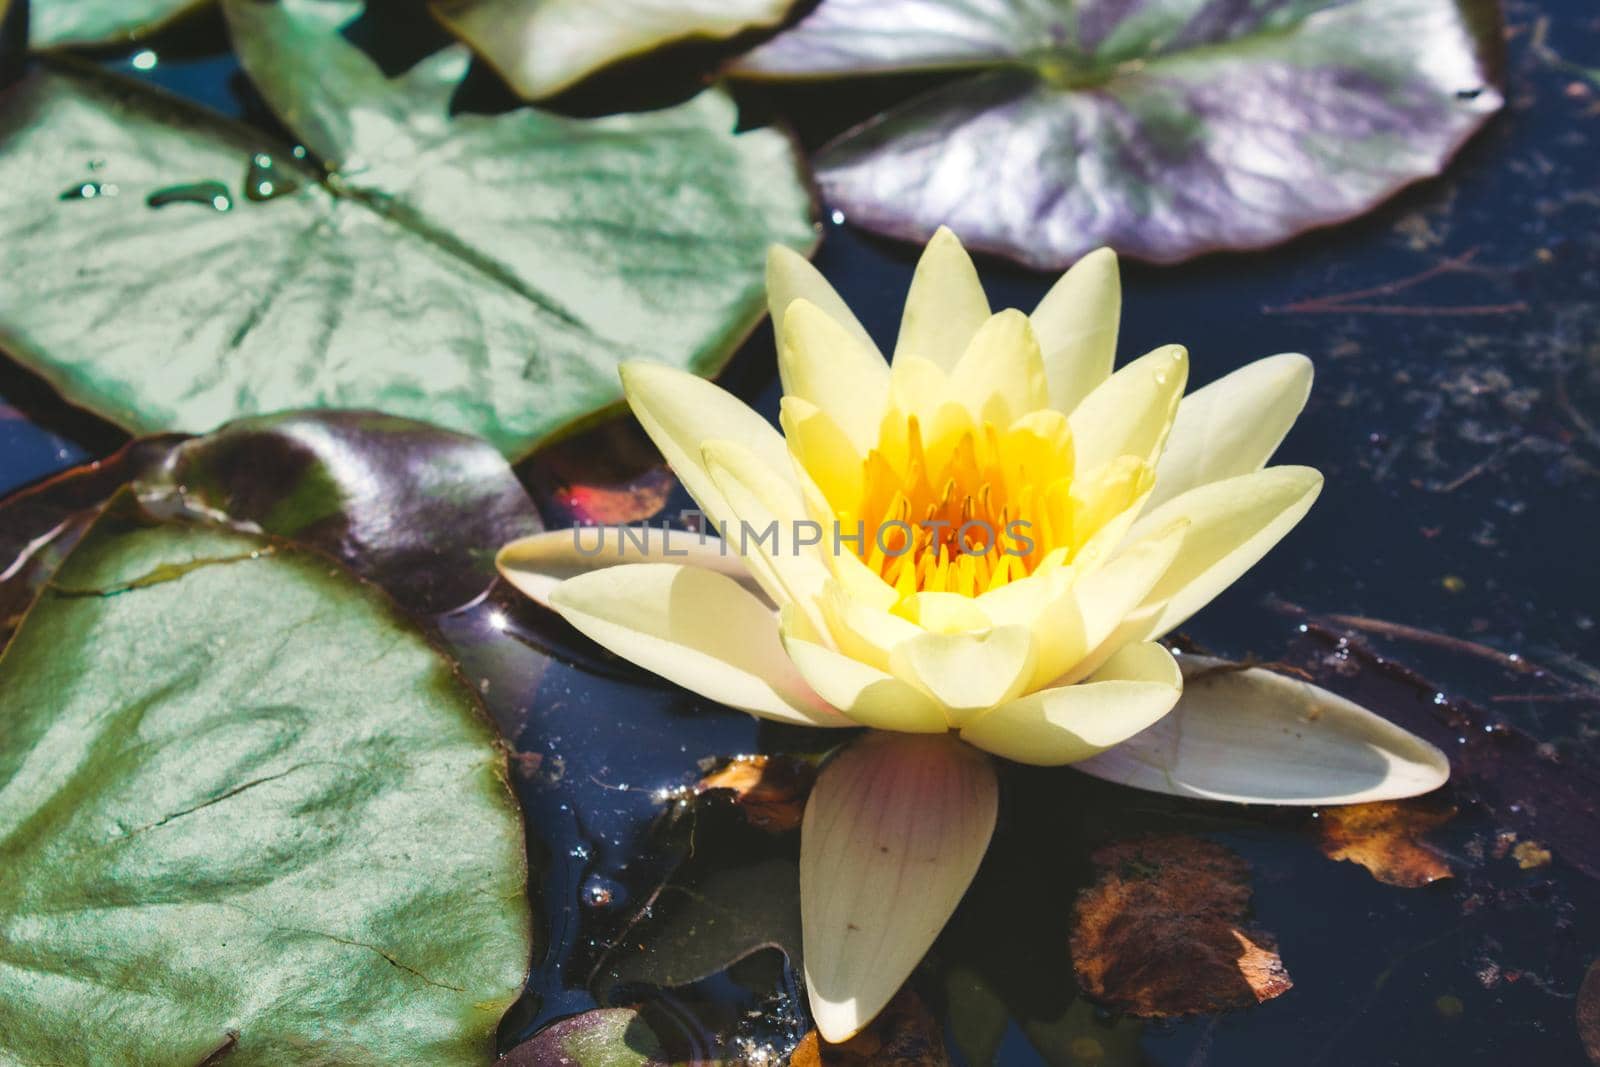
(966, 510)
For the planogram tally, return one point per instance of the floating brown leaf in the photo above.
(1160, 932)
(1589, 1012)
(1386, 839)
(905, 1035)
(771, 791)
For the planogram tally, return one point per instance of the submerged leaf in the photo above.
(543, 46)
(485, 273)
(704, 921)
(1164, 129)
(225, 836)
(1386, 839)
(1161, 932)
(102, 22)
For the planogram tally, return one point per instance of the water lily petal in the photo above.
(861, 629)
(791, 277)
(968, 673)
(1095, 603)
(1000, 376)
(1076, 323)
(1256, 737)
(1134, 688)
(945, 306)
(894, 831)
(766, 526)
(1233, 425)
(820, 361)
(865, 694)
(1232, 524)
(1130, 413)
(698, 629)
(826, 456)
(536, 565)
(682, 411)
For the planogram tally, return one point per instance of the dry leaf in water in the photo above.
(771, 791)
(1386, 839)
(1161, 931)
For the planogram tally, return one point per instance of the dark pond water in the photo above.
(1457, 418)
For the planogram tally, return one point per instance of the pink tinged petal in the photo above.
(791, 277)
(894, 832)
(1130, 413)
(1134, 688)
(700, 630)
(968, 673)
(1077, 323)
(945, 306)
(1256, 737)
(536, 565)
(1233, 425)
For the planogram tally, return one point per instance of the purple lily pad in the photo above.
(1163, 128)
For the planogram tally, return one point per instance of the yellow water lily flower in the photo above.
(973, 550)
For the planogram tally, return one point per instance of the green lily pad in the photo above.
(485, 273)
(245, 806)
(1163, 128)
(102, 22)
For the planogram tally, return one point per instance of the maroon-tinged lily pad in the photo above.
(1161, 128)
(412, 507)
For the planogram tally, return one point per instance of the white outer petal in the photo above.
(894, 831)
(1256, 737)
(536, 565)
(697, 629)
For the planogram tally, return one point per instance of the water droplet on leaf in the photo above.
(264, 181)
(212, 194)
(88, 191)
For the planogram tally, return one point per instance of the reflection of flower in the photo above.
(1129, 510)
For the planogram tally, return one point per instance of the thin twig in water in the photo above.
(1345, 303)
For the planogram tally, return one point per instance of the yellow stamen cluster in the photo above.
(1014, 486)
